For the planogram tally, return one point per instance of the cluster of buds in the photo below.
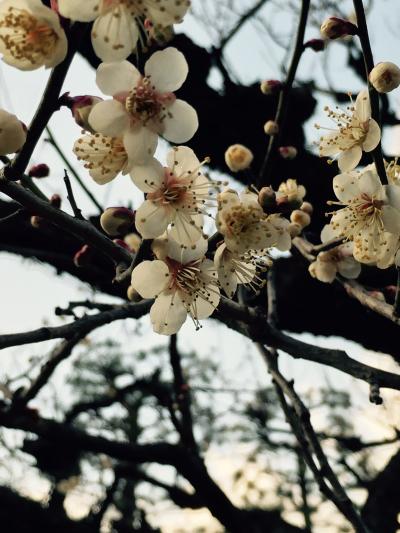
(39, 222)
(385, 77)
(117, 221)
(238, 157)
(270, 87)
(335, 28)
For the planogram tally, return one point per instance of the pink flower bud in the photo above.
(315, 44)
(55, 201)
(83, 256)
(288, 152)
(334, 27)
(80, 107)
(38, 222)
(121, 243)
(117, 220)
(271, 86)
(39, 171)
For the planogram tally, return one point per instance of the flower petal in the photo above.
(109, 118)
(117, 77)
(391, 219)
(346, 186)
(168, 13)
(363, 106)
(140, 144)
(77, 10)
(370, 184)
(184, 254)
(181, 123)
(115, 34)
(151, 220)
(167, 69)
(150, 278)
(373, 136)
(186, 229)
(349, 159)
(148, 177)
(168, 313)
(349, 268)
(182, 159)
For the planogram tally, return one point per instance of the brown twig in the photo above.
(71, 198)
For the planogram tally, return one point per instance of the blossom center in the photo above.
(25, 37)
(184, 277)
(144, 103)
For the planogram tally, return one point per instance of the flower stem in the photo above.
(373, 95)
(280, 116)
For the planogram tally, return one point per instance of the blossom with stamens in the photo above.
(181, 280)
(290, 192)
(370, 216)
(31, 35)
(119, 23)
(337, 260)
(357, 132)
(176, 195)
(144, 107)
(104, 157)
(234, 269)
(243, 223)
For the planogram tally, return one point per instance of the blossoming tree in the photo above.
(232, 225)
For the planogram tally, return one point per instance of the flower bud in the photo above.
(300, 217)
(315, 44)
(334, 27)
(83, 256)
(267, 198)
(271, 127)
(385, 77)
(294, 230)
(38, 222)
(121, 243)
(288, 152)
(324, 271)
(271, 86)
(290, 193)
(39, 171)
(307, 208)
(133, 241)
(238, 157)
(117, 220)
(12, 133)
(55, 201)
(132, 294)
(80, 107)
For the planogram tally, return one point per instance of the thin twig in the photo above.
(280, 116)
(71, 198)
(373, 95)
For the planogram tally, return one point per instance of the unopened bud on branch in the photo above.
(133, 241)
(271, 86)
(55, 201)
(288, 152)
(238, 157)
(315, 44)
(83, 257)
(117, 220)
(267, 198)
(39, 171)
(80, 107)
(385, 77)
(334, 28)
(301, 218)
(271, 127)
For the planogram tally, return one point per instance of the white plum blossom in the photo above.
(104, 157)
(337, 260)
(290, 191)
(243, 223)
(181, 280)
(144, 107)
(118, 23)
(234, 269)
(176, 195)
(31, 35)
(12, 133)
(357, 132)
(370, 216)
